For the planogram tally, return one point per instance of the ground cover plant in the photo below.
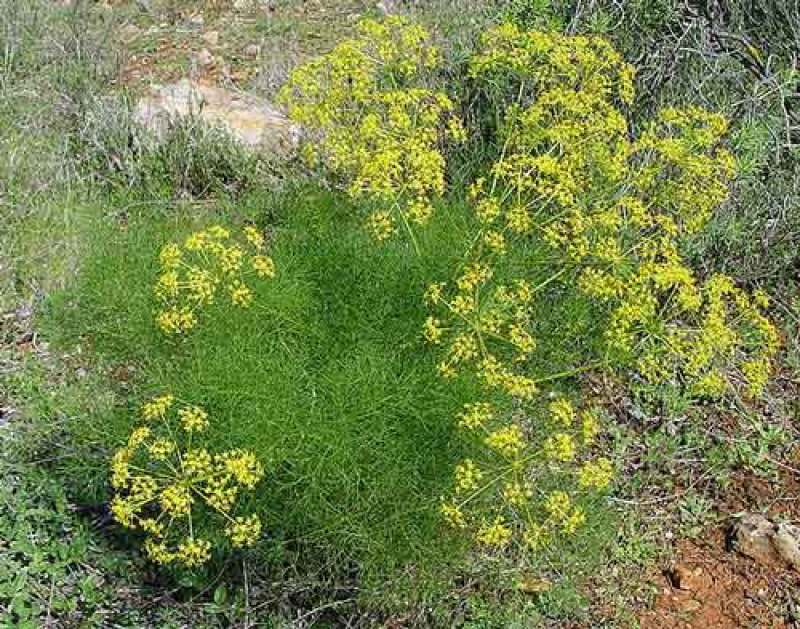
(381, 377)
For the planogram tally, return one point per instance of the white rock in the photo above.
(211, 38)
(255, 122)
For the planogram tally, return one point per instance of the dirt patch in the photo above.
(708, 586)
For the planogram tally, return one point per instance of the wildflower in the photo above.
(496, 534)
(432, 331)
(536, 536)
(241, 295)
(475, 415)
(263, 266)
(468, 475)
(596, 474)
(158, 552)
(244, 466)
(244, 531)
(197, 462)
(575, 520)
(158, 406)
(381, 225)
(254, 236)
(194, 552)
(495, 242)
(590, 426)
(160, 449)
(517, 494)
(453, 515)
(562, 411)
(557, 505)
(193, 418)
(559, 447)
(170, 256)
(433, 293)
(176, 500)
(507, 440)
(123, 512)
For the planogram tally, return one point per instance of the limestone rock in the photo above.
(766, 542)
(255, 122)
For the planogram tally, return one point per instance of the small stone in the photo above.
(684, 577)
(760, 539)
(252, 50)
(211, 38)
(752, 537)
(255, 122)
(129, 32)
(692, 605)
(785, 540)
(204, 57)
(387, 7)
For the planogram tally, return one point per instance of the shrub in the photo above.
(381, 396)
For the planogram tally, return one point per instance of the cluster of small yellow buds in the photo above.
(169, 490)
(381, 138)
(619, 207)
(208, 261)
(476, 321)
(510, 462)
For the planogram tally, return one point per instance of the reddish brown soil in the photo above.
(708, 586)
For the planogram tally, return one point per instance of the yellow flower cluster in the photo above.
(620, 208)
(481, 324)
(373, 122)
(208, 262)
(510, 480)
(167, 487)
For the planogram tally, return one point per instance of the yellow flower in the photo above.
(194, 552)
(558, 505)
(453, 515)
(176, 500)
(559, 447)
(496, 534)
(432, 332)
(241, 295)
(507, 440)
(475, 415)
(536, 536)
(596, 474)
(170, 256)
(244, 531)
(197, 462)
(562, 411)
(167, 285)
(590, 426)
(495, 242)
(244, 466)
(193, 418)
(517, 494)
(123, 512)
(160, 449)
(468, 475)
(433, 293)
(254, 236)
(381, 225)
(158, 552)
(158, 406)
(574, 521)
(263, 266)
